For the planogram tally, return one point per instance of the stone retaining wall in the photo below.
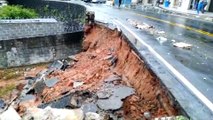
(25, 42)
(26, 51)
(25, 29)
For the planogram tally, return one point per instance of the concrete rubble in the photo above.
(53, 114)
(10, 114)
(105, 82)
(2, 104)
(159, 34)
(51, 82)
(161, 40)
(183, 45)
(172, 118)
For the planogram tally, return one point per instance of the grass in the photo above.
(7, 90)
(17, 11)
(7, 74)
(15, 72)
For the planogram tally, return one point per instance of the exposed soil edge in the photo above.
(163, 86)
(140, 76)
(185, 100)
(169, 93)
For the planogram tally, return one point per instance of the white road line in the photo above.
(180, 77)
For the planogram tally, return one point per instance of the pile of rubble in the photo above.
(106, 81)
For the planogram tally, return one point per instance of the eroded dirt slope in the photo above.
(93, 66)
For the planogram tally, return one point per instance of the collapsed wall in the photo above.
(152, 96)
(106, 56)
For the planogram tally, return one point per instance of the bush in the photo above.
(14, 12)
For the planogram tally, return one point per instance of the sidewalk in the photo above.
(192, 14)
(207, 16)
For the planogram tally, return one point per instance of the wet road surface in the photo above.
(195, 64)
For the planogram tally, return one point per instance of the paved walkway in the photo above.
(206, 16)
(194, 12)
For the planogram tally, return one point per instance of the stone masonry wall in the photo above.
(15, 29)
(26, 51)
(28, 42)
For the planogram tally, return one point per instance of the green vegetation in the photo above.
(14, 12)
(8, 74)
(7, 90)
(181, 118)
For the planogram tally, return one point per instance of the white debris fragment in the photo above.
(161, 40)
(54, 114)
(143, 26)
(161, 32)
(138, 25)
(10, 114)
(172, 118)
(182, 45)
(147, 115)
(92, 116)
(173, 41)
(132, 22)
(77, 84)
(165, 118)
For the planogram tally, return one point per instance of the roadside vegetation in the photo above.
(7, 74)
(17, 12)
(4, 91)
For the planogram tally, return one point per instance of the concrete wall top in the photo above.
(50, 20)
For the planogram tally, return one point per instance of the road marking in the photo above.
(179, 25)
(180, 77)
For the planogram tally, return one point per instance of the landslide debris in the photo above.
(107, 80)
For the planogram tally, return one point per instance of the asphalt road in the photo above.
(195, 64)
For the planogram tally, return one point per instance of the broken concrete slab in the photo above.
(92, 116)
(54, 114)
(104, 94)
(70, 100)
(183, 45)
(27, 98)
(57, 65)
(118, 93)
(10, 114)
(42, 73)
(122, 91)
(51, 82)
(39, 86)
(113, 103)
(59, 103)
(2, 104)
(90, 107)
